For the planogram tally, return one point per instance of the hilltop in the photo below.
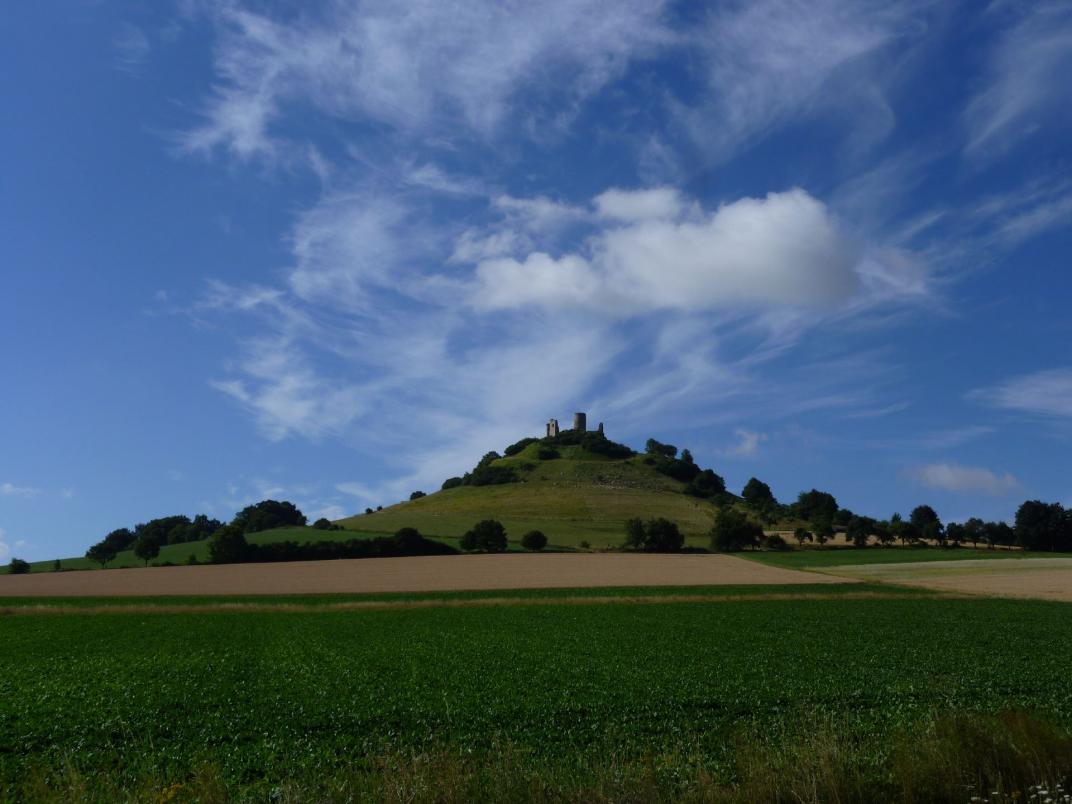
(575, 487)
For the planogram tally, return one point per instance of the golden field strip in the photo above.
(1041, 578)
(418, 574)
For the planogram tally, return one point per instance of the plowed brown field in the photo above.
(421, 574)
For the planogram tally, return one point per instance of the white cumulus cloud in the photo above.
(784, 249)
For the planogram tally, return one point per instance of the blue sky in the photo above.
(334, 253)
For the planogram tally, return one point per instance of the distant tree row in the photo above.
(229, 546)
(147, 538)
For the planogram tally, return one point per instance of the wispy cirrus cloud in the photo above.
(748, 442)
(1044, 393)
(11, 490)
(963, 479)
(1026, 87)
(414, 66)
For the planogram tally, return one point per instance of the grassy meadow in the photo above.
(571, 701)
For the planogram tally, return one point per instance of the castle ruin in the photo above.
(580, 422)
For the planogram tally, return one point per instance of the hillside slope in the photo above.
(579, 496)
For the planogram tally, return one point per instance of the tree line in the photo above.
(147, 538)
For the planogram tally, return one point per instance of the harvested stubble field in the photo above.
(420, 574)
(519, 700)
(1045, 578)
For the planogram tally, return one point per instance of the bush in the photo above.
(516, 447)
(546, 453)
(585, 545)
(56, 566)
(534, 540)
(192, 560)
(17, 567)
(451, 483)
(734, 531)
(488, 536)
(706, 485)
(417, 495)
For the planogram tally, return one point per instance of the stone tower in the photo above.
(552, 428)
(580, 422)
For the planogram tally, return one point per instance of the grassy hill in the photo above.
(578, 497)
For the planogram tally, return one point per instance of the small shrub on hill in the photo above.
(450, 483)
(547, 453)
(517, 446)
(18, 567)
(417, 495)
(775, 542)
(534, 541)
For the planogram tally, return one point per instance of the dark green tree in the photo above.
(146, 548)
(101, 552)
(268, 514)
(926, 523)
(653, 447)
(635, 534)
(18, 567)
(488, 536)
(802, 535)
(534, 541)
(734, 531)
(409, 540)
(228, 545)
(417, 495)
(1043, 526)
(815, 506)
(758, 494)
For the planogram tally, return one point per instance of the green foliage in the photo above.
(325, 524)
(734, 531)
(266, 515)
(449, 483)
(653, 447)
(409, 539)
(416, 495)
(228, 545)
(547, 453)
(146, 548)
(18, 566)
(758, 494)
(1043, 526)
(654, 536)
(707, 485)
(802, 535)
(102, 552)
(518, 446)
(534, 541)
(815, 506)
(488, 536)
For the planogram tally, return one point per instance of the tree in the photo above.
(534, 541)
(417, 495)
(18, 567)
(757, 494)
(654, 536)
(822, 529)
(858, 529)
(57, 566)
(102, 553)
(1043, 526)
(409, 540)
(884, 533)
(488, 535)
(926, 523)
(998, 533)
(449, 483)
(706, 484)
(734, 531)
(973, 531)
(146, 548)
(815, 505)
(228, 545)
(268, 514)
(897, 528)
(802, 535)
(653, 447)
(635, 534)
(323, 524)
(955, 533)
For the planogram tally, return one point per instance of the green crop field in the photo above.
(572, 697)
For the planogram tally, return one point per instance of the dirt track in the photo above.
(423, 574)
(1045, 578)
